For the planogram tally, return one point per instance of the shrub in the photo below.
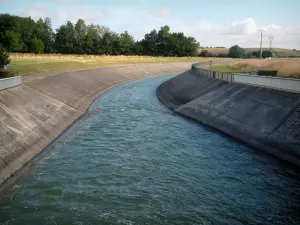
(4, 57)
(272, 73)
(236, 52)
(5, 74)
(222, 55)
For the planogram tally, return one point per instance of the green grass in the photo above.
(26, 64)
(225, 68)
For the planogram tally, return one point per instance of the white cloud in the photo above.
(162, 13)
(242, 27)
(36, 11)
(138, 21)
(64, 1)
(62, 16)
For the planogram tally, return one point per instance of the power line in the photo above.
(271, 39)
(261, 32)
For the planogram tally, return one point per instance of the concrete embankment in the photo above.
(265, 118)
(36, 112)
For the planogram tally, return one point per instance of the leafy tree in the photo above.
(65, 38)
(222, 55)
(126, 43)
(23, 34)
(150, 43)
(12, 40)
(80, 30)
(236, 52)
(205, 53)
(37, 46)
(4, 57)
(266, 54)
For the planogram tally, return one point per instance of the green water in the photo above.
(135, 162)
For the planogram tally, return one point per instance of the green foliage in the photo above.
(13, 40)
(272, 73)
(266, 54)
(4, 57)
(236, 52)
(205, 53)
(37, 46)
(23, 34)
(222, 55)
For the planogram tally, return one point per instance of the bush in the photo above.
(205, 53)
(222, 55)
(5, 74)
(236, 52)
(272, 73)
(4, 57)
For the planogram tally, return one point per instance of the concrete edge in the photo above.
(28, 165)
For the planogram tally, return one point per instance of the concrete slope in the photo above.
(265, 118)
(35, 113)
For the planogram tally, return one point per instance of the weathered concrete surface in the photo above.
(265, 118)
(36, 112)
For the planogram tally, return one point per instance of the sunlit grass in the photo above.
(285, 67)
(27, 64)
(225, 68)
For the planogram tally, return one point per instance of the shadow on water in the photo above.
(137, 162)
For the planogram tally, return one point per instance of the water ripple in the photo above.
(136, 162)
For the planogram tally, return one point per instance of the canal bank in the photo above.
(35, 113)
(267, 119)
(136, 162)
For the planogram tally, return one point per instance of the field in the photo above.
(285, 67)
(27, 64)
(280, 52)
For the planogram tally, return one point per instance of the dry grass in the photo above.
(285, 67)
(280, 52)
(27, 64)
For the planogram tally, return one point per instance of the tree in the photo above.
(236, 52)
(23, 34)
(80, 32)
(222, 55)
(150, 43)
(205, 53)
(266, 54)
(65, 38)
(12, 40)
(126, 43)
(37, 46)
(49, 36)
(4, 57)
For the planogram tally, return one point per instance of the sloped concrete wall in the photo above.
(267, 119)
(36, 112)
(10, 82)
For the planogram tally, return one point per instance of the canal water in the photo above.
(136, 162)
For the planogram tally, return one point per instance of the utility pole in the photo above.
(270, 38)
(261, 32)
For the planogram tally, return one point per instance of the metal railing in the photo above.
(250, 77)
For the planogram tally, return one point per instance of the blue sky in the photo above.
(212, 23)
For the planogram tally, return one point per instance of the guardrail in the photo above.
(289, 84)
(10, 82)
(213, 74)
(273, 82)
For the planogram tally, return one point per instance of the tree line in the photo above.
(23, 34)
(237, 52)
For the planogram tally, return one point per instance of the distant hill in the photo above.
(280, 52)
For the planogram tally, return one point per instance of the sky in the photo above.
(212, 23)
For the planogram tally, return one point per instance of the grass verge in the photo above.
(225, 68)
(29, 64)
(286, 67)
